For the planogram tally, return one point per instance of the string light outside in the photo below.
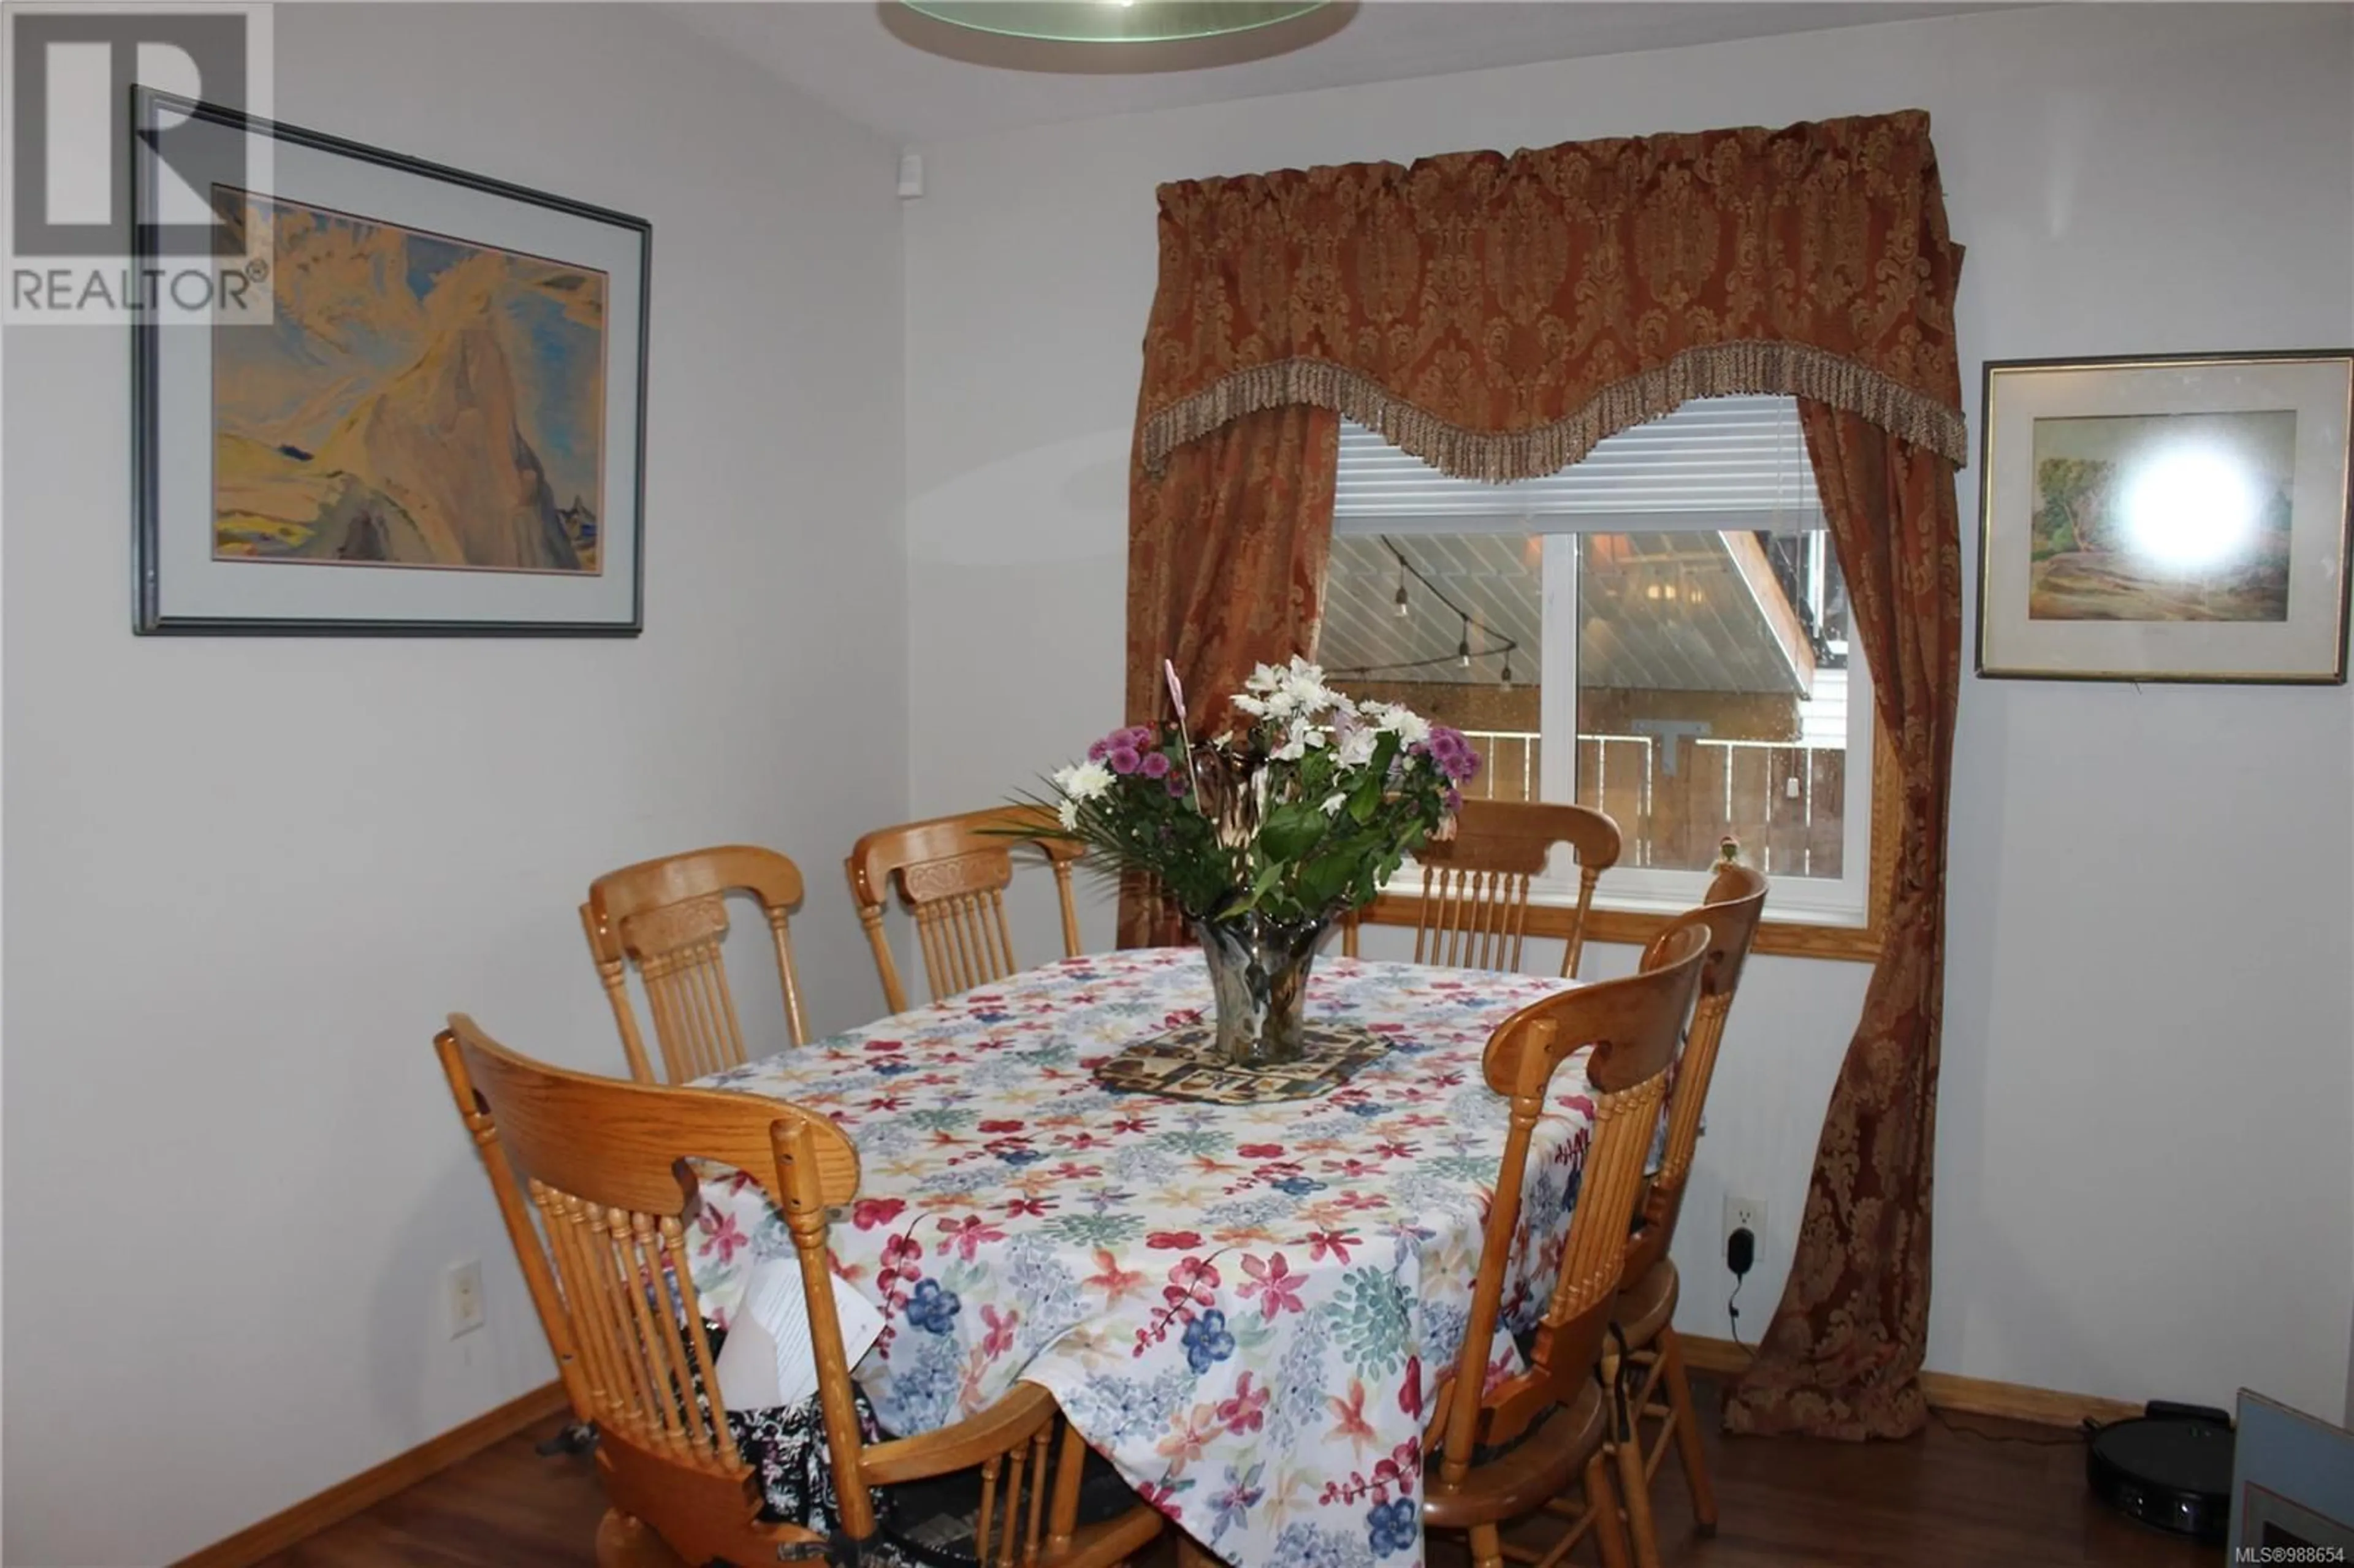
(1464, 653)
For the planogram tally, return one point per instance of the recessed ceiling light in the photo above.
(1113, 21)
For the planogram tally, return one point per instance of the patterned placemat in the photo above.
(1185, 1065)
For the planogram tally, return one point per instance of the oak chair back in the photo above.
(669, 917)
(953, 873)
(602, 1166)
(1475, 884)
(593, 1180)
(1730, 914)
(1632, 1024)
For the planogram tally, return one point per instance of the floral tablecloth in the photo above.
(1246, 1309)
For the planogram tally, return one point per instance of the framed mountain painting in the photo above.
(421, 412)
(2180, 517)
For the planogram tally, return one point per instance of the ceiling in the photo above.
(875, 63)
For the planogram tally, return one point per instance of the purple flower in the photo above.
(1454, 799)
(1134, 737)
(1155, 765)
(1123, 759)
(1453, 752)
(1177, 783)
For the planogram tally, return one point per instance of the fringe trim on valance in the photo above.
(1498, 457)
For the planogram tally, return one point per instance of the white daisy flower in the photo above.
(1304, 737)
(1083, 781)
(1409, 726)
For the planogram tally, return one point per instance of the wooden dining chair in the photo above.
(1643, 1329)
(1510, 1448)
(669, 917)
(591, 1177)
(953, 874)
(1475, 885)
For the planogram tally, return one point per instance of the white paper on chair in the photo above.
(768, 1359)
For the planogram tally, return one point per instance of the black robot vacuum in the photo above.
(2169, 1467)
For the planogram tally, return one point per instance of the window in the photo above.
(1659, 630)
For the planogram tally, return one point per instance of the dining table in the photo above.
(1248, 1309)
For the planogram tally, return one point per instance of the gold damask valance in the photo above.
(1498, 315)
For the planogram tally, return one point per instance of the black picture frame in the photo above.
(150, 616)
(1992, 473)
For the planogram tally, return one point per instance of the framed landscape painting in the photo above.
(2182, 518)
(430, 422)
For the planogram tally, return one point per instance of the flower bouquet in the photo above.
(1264, 836)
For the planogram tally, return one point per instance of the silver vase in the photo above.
(1258, 971)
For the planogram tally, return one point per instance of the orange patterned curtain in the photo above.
(1226, 545)
(1842, 1355)
(1498, 316)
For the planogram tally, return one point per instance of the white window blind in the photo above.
(1715, 464)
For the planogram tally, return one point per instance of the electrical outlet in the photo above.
(464, 1300)
(1744, 1214)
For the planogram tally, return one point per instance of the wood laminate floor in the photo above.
(1949, 1498)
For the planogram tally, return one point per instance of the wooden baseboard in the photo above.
(1961, 1395)
(1718, 1358)
(340, 1502)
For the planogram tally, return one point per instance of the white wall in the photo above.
(246, 877)
(2144, 1183)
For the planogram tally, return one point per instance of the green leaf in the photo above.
(1325, 878)
(1291, 830)
(1259, 888)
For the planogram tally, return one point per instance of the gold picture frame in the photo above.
(2175, 517)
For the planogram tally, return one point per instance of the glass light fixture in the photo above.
(1114, 21)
